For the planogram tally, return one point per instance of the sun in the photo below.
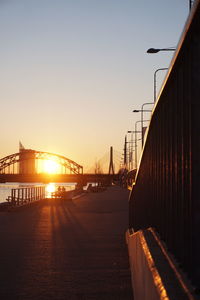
(50, 166)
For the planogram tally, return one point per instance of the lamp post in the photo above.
(125, 152)
(130, 156)
(134, 131)
(131, 148)
(142, 119)
(156, 50)
(136, 139)
(154, 91)
(136, 143)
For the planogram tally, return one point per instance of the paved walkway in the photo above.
(67, 250)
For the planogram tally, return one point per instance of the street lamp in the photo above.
(130, 152)
(134, 131)
(142, 120)
(130, 156)
(125, 152)
(154, 92)
(155, 50)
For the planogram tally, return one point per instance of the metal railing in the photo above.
(21, 196)
(166, 194)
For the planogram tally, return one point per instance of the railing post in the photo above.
(26, 195)
(18, 195)
(22, 200)
(31, 194)
(13, 196)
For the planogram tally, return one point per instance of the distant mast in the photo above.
(21, 147)
(111, 165)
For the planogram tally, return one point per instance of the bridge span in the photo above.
(46, 178)
(37, 166)
(28, 161)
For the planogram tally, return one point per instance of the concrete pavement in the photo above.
(67, 250)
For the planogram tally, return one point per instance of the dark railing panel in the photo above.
(166, 194)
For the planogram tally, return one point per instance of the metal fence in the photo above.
(166, 194)
(21, 196)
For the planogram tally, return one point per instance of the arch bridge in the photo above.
(30, 162)
(28, 166)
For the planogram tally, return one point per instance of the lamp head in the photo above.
(153, 50)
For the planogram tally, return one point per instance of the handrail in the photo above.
(166, 192)
(21, 196)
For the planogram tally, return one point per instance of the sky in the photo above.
(72, 71)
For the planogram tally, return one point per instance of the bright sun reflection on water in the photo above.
(50, 188)
(53, 187)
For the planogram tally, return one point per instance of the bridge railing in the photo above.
(166, 194)
(21, 196)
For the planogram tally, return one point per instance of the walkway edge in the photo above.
(154, 275)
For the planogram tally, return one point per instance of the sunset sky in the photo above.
(72, 71)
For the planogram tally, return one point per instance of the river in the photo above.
(5, 188)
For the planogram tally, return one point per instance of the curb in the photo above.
(78, 196)
(154, 275)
